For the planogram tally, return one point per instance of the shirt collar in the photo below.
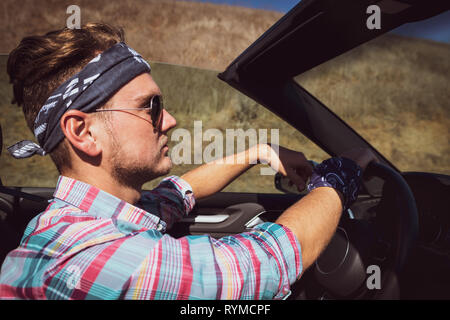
(101, 204)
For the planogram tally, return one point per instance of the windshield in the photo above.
(395, 92)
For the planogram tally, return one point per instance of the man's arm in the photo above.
(212, 177)
(314, 218)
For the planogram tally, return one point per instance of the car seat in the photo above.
(8, 238)
(16, 210)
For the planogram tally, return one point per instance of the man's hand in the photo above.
(289, 163)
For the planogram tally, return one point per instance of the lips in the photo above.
(164, 141)
(165, 147)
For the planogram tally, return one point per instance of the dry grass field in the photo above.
(395, 91)
(187, 33)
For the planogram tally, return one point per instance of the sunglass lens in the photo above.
(157, 107)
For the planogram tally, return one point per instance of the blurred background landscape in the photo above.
(394, 90)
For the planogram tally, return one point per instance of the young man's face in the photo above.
(137, 151)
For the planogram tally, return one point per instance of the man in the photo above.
(94, 107)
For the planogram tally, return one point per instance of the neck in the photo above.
(104, 181)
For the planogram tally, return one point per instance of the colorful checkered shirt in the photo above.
(89, 244)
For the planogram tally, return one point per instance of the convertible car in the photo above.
(399, 229)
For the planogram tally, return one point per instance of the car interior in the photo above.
(400, 222)
(381, 230)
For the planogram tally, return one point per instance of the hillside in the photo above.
(395, 91)
(187, 33)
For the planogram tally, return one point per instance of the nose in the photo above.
(167, 121)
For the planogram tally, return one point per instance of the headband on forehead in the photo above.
(86, 91)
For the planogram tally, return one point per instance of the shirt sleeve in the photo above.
(259, 264)
(171, 200)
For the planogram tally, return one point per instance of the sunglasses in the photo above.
(155, 108)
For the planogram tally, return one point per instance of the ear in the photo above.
(77, 127)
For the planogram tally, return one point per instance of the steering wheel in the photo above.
(361, 248)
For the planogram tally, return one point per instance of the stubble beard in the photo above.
(132, 174)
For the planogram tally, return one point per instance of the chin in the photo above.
(167, 165)
(163, 167)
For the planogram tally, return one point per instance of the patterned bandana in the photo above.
(88, 90)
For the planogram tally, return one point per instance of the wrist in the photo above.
(341, 174)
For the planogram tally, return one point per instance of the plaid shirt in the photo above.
(89, 244)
